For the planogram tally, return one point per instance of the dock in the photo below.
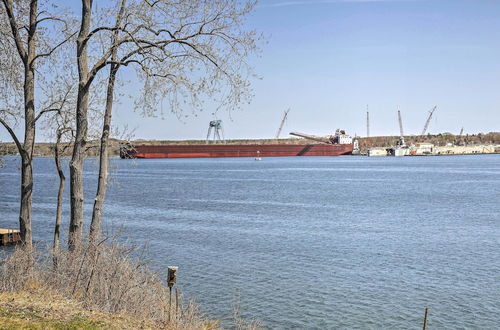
(429, 149)
(9, 236)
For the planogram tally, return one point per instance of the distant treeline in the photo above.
(47, 149)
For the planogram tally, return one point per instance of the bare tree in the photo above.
(59, 126)
(106, 128)
(26, 42)
(64, 137)
(182, 50)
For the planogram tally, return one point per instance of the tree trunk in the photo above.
(62, 180)
(103, 159)
(77, 159)
(76, 171)
(29, 133)
(102, 182)
(26, 200)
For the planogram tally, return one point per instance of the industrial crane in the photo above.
(282, 123)
(401, 142)
(340, 137)
(426, 126)
(367, 122)
(216, 125)
(458, 139)
(312, 137)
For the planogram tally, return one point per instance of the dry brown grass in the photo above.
(112, 279)
(43, 309)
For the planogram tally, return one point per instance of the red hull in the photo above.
(236, 150)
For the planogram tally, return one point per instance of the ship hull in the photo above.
(236, 150)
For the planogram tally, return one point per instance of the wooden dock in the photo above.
(9, 236)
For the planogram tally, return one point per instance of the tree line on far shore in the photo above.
(46, 149)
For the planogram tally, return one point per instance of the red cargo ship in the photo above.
(340, 144)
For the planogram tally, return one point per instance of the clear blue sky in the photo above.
(326, 60)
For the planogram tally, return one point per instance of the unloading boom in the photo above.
(312, 137)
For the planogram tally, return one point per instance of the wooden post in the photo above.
(176, 303)
(425, 318)
(171, 279)
(169, 303)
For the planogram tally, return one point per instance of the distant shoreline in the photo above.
(45, 149)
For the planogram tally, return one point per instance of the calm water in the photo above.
(311, 242)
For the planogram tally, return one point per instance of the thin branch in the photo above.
(101, 28)
(45, 111)
(13, 135)
(54, 49)
(15, 31)
(52, 19)
(50, 107)
(200, 53)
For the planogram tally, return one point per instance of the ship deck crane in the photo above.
(312, 137)
(340, 137)
(427, 122)
(285, 116)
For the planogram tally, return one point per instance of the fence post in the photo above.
(171, 279)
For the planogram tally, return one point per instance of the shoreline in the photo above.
(45, 149)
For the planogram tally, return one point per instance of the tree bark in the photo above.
(25, 212)
(103, 159)
(102, 182)
(78, 157)
(62, 180)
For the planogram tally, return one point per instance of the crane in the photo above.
(367, 122)
(282, 123)
(458, 139)
(216, 125)
(311, 137)
(401, 142)
(340, 137)
(426, 126)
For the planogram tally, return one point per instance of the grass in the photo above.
(109, 288)
(42, 309)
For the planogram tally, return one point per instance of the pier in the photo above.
(9, 236)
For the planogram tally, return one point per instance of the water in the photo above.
(309, 242)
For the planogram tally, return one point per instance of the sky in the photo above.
(327, 60)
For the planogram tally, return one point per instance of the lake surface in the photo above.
(308, 242)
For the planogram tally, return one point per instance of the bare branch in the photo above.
(103, 28)
(55, 47)
(45, 111)
(13, 135)
(51, 18)
(14, 29)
